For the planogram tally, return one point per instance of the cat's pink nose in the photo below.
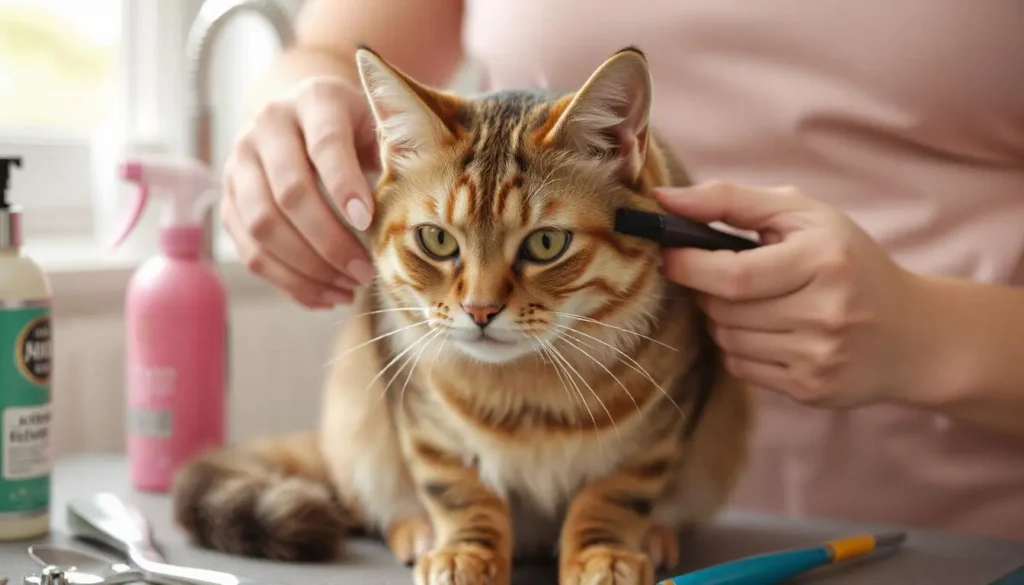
(482, 313)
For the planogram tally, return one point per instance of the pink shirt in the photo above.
(909, 117)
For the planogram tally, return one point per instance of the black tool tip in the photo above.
(643, 224)
(677, 232)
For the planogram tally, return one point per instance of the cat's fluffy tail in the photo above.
(269, 498)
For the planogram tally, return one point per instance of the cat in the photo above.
(519, 380)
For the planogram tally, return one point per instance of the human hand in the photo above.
(819, 312)
(283, 228)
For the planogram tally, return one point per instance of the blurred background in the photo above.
(81, 83)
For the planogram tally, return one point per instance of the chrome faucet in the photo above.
(213, 15)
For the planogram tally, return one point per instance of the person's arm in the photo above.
(975, 369)
(424, 39)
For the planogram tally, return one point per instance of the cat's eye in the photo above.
(545, 245)
(437, 243)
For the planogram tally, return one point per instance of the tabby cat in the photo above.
(519, 380)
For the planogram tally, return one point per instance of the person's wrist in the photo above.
(935, 357)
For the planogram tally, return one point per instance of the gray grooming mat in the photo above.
(926, 558)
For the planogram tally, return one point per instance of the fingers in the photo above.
(743, 207)
(767, 271)
(766, 375)
(274, 210)
(787, 379)
(770, 314)
(301, 288)
(763, 346)
(330, 141)
(266, 224)
(315, 238)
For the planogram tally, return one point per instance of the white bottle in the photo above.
(26, 351)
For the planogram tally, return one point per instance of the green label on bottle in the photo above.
(26, 458)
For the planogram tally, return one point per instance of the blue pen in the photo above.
(1014, 577)
(776, 567)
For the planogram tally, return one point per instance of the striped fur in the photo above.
(557, 428)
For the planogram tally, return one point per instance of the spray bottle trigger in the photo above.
(138, 205)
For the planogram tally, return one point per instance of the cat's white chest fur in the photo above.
(545, 472)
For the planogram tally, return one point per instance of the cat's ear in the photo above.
(610, 114)
(411, 118)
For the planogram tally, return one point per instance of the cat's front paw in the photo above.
(662, 545)
(607, 565)
(410, 538)
(462, 564)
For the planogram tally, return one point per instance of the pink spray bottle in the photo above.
(176, 318)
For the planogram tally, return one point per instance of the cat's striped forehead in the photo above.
(498, 177)
(498, 180)
(494, 177)
(503, 125)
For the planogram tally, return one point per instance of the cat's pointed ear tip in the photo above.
(633, 49)
(631, 57)
(367, 56)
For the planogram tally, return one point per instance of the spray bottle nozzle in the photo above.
(5, 174)
(185, 184)
(131, 171)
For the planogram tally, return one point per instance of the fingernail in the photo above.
(345, 283)
(361, 271)
(335, 298)
(358, 214)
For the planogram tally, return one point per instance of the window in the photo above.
(80, 80)
(56, 53)
(59, 76)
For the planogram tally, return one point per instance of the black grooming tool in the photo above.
(672, 231)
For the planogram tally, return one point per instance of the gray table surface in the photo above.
(927, 558)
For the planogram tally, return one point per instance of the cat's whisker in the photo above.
(553, 170)
(394, 310)
(573, 344)
(440, 348)
(392, 362)
(538, 351)
(375, 340)
(423, 342)
(585, 383)
(542, 352)
(559, 366)
(617, 328)
(544, 182)
(537, 191)
(433, 335)
(637, 367)
(572, 382)
(558, 371)
(401, 368)
(394, 376)
(629, 361)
